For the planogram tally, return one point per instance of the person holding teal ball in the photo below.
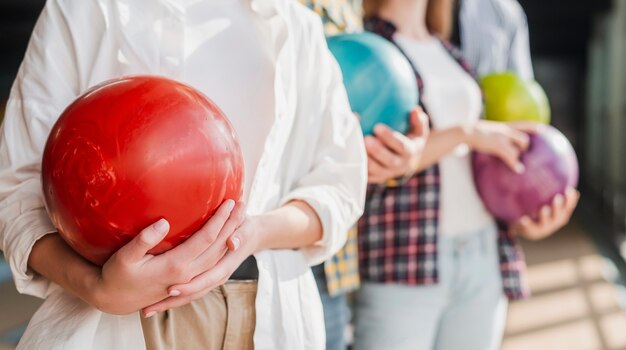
(437, 269)
(384, 94)
(393, 155)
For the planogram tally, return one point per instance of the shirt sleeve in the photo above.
(45, 84)
(335, 186)
(519, 55)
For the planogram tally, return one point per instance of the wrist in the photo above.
(258, 233)
(467, 133)
(413, 167)
(87, 284)
(52, 258)
(419, 146)
(93, 292)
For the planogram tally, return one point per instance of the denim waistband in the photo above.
(483, 240)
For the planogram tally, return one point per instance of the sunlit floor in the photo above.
(572, 307)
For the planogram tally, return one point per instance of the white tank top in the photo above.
(452, 98)
(230, 58)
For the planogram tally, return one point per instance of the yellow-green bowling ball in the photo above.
(510, 98)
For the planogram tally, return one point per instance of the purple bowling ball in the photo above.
(551, 167)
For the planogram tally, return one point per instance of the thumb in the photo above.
(419, 122)
(510, 155)
(147, 239)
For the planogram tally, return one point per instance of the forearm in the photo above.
(440, 143)
(295, 225)
(292, 226)
(52, 258)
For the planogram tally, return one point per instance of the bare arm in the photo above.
(503, 140)
(391, 154)
(295, 225)
(439, 18)
(52, 258)
(440, 143)
(133, 279)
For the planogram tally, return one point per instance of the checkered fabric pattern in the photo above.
(338, 16)
(398, 232)
(342, 270)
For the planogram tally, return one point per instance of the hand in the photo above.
(551, 218)
(294, 225)
(503, 140)
(392, 154)
(245, 241)
(132, 279)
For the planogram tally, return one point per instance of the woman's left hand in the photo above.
(244, 242)
(551, 217)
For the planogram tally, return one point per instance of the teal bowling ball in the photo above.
(379, 80)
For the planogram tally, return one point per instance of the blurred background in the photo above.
(578, 275)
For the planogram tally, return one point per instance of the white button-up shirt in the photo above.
(494, 37)
(314, 152)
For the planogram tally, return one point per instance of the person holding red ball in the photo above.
(436, 268)
(243, 280)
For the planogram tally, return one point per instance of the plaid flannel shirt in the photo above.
(338, 16)
(399, 231)
(342, 270)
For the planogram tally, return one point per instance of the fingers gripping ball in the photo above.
(550, 167)
(133, 150)
(379, 80)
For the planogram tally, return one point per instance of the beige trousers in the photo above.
(224, 319)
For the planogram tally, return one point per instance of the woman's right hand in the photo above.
(391, 154)
(503, 140)
(133, 279)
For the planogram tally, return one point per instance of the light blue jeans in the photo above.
(336, 312)
(466, 310)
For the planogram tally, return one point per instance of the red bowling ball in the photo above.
(551, 167)
(131, 151)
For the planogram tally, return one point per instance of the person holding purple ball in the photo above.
(437, 269)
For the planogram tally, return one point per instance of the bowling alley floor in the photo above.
(572, 308)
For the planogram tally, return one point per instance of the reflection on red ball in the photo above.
(131, 151)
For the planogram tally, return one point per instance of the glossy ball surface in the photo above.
(551, 167)
(379, 80)
(131, 151)
(509, 98)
